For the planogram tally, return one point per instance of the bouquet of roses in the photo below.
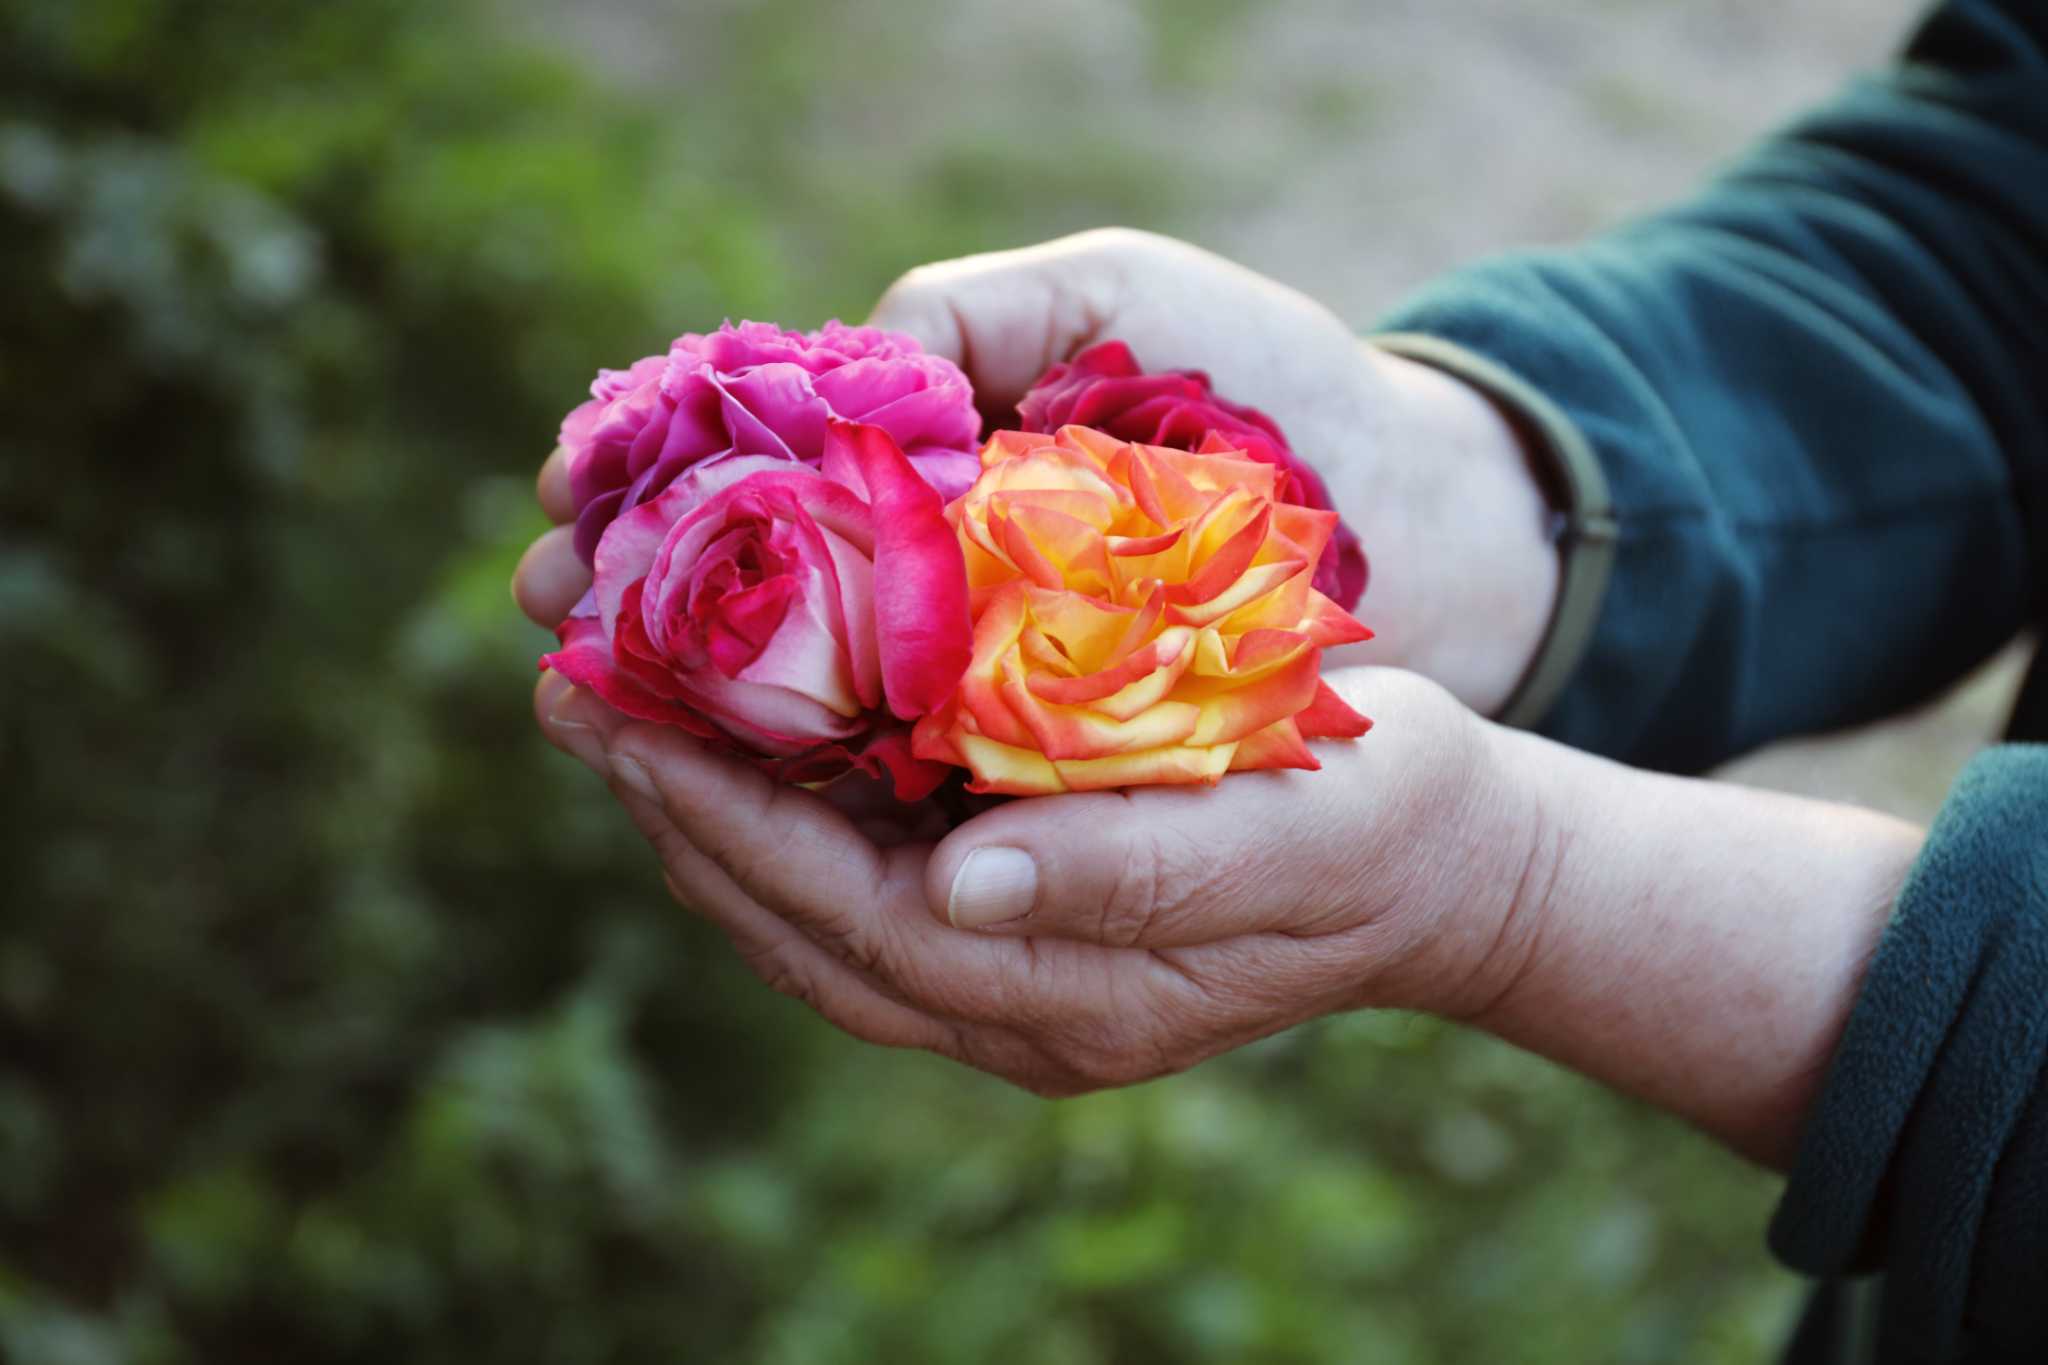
(803, 552)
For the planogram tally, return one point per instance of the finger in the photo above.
(1007, 315)
(780, 955)
(779, 844)
(574, 721)
(793, 853)
(550, 578)
(556, 498)
(1162, 867)
(774, 949)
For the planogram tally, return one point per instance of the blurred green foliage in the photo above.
(342, 1021)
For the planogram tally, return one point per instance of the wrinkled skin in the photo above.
(1162, 936)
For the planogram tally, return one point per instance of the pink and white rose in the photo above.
(799, 615)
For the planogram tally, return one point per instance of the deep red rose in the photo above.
(1104, 387)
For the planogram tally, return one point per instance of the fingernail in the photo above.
(994, 885)
(568, 712)
(633, 776)
(570, 721)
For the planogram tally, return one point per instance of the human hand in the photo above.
(1425, 470)
(1695, 944)
(1155, 928)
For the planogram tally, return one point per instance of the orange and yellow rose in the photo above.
(1142, 615)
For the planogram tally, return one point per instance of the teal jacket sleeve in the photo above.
(1927, 1154)
(1819, 395)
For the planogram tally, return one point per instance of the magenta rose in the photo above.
(1105, 388)
(797, 615)
(758, 389)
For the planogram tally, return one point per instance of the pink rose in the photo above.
(1104, 387)
(800, 616)
(759, 389)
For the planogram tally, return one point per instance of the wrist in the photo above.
(1465, 585)
(1694, 944)
(1444, 829)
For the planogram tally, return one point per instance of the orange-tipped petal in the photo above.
(1128, 547)
(1330, 625)
(1178, 766)
(1062, 551)
(1127, 691)
(1329, 717)
(1280, 689)
(1097, 447)
(1228, 561)
(1075, 732)
(1010, 445)
(1304, 528)
(932, 737)
(1255, 583)
(1007, 770)
(1279, 745)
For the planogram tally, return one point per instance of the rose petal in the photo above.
(891, 752)
(585, 659)
(1153, 767)
(1076, 732)
(1279, 745)
(921, 620)
(1330, 717)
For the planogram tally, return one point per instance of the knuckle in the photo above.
(1049, 1085)
(745, 861)
(1153, 883)
(1008, 1059)
(1117, 240)
(1028, 996)
(853, 944)
(1088, 1067)
(781, 972)
(914, 286)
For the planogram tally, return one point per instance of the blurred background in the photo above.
(341, 1020)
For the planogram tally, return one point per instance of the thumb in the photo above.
(1005, 316)
(1160, 867)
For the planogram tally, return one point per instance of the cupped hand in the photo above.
(1076, 942)
(1431, 477)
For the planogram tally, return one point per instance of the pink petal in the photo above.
(772, 410)
(951, 472)
(627, 551)
(805, 657)
(585, 659)
(921, 620)
(853, 576)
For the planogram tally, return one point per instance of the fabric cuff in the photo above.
(1583, 526)
(1926, 1154)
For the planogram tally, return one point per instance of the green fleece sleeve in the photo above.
(1926, 1156)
